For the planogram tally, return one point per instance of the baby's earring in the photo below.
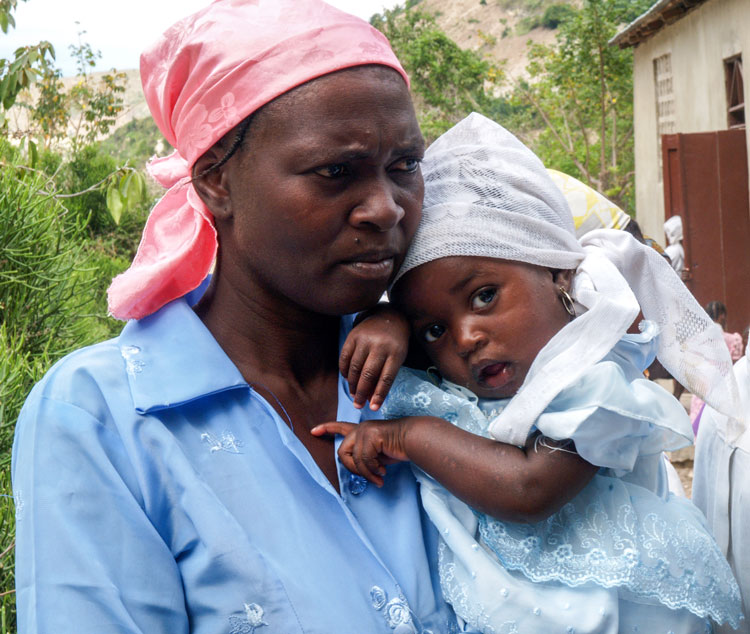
(567, 301)
(434, 375)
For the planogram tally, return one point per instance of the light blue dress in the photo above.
(158, 493)
(624, 555)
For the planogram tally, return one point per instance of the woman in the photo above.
(166, 481)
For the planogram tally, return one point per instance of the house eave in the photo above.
(661, 14)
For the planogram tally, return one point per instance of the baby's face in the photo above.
(482, 321)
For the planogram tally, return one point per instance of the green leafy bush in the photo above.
(556, 14)
(135, 142)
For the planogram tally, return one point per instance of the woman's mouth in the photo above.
(375, 266)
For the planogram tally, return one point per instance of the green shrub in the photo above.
(556, 14)
(135, 142)
(88, 167)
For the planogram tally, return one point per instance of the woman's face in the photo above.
(325, 194)
(482, 321)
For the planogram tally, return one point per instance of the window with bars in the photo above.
(735, 92)
(665, 104)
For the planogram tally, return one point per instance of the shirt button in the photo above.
(357, 484)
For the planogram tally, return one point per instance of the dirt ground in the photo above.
(682, 460)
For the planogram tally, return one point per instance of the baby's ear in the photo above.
(562, 277)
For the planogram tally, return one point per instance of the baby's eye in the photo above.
(433, 333)
(335, 170)
(407, 165)
(483, 298)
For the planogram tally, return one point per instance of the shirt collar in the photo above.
(171, 358)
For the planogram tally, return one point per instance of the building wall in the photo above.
(698, 43)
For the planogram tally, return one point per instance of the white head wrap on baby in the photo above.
(488, 195)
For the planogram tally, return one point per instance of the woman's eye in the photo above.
(336, 170)
(407, 165)
(433, 333)
(483, 298)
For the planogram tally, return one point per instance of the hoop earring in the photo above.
(434, 374)
(567, 301)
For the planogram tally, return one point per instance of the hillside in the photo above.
(497, 29)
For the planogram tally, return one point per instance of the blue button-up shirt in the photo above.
(156, 491)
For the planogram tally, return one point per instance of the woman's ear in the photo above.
(562, 277)
(211, 182)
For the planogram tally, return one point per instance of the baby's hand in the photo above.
(369, 447)
(372, 355)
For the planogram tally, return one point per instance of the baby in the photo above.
(537, 440)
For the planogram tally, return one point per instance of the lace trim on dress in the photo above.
(661, 556)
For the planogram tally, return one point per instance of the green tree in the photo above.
(580, 93)
(448, 82)
(27, 65)
(78, 116)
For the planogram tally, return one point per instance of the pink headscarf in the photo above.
(205, 75)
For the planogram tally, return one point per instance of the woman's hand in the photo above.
(370, 446)
(373, 353)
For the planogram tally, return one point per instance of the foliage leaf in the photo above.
(115, 203)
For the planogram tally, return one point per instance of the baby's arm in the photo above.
(373, 353)
(517, 484)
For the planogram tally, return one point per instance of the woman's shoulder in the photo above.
(101, 362)
(84, 379)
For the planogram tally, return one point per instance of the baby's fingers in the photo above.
(358, 363)
(333, 428)
(385, 382)
(368, 467)
(369, 379)
(345, 356)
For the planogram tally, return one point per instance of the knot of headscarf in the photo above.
(205, 75)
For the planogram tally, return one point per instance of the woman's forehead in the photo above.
(311, 91)
(356, 107)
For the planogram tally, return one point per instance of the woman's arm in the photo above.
(88, 559)
(517, 484)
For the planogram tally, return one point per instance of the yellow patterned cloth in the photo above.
(590, 209)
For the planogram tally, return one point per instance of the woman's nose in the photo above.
(378, 207)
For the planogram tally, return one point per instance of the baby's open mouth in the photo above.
(495, 374)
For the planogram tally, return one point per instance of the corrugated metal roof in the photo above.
(661, 14)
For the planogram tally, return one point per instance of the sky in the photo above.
(119, 30)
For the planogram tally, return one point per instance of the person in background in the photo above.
(166, 481)
(674, 250)
(721, 483)
(717, 311)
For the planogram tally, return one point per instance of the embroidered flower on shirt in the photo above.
(397, 612)
(252, 620)
(378, 597)
(227, 442)
(133, 365)
(18, 499)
